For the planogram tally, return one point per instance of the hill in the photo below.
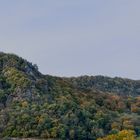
(82, 108)
(119, 86)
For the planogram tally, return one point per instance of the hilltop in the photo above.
(79, 108)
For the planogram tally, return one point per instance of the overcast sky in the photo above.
(74, 37)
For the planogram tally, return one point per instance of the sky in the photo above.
(75, 37)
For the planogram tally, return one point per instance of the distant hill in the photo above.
(120, 86)
(76, 108)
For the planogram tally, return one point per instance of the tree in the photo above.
(122, 135)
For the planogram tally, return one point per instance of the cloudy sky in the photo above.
(75, 37)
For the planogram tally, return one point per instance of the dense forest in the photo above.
(33, 105)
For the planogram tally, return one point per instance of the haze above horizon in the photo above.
(73, 38)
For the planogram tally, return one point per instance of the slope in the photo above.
(43, 106)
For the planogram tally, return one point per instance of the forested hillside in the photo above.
(82, 108)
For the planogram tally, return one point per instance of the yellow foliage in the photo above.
(16, 78)
(40, 119)
(122, 135)
(115, 125)
(134, 108)
(24, 104)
